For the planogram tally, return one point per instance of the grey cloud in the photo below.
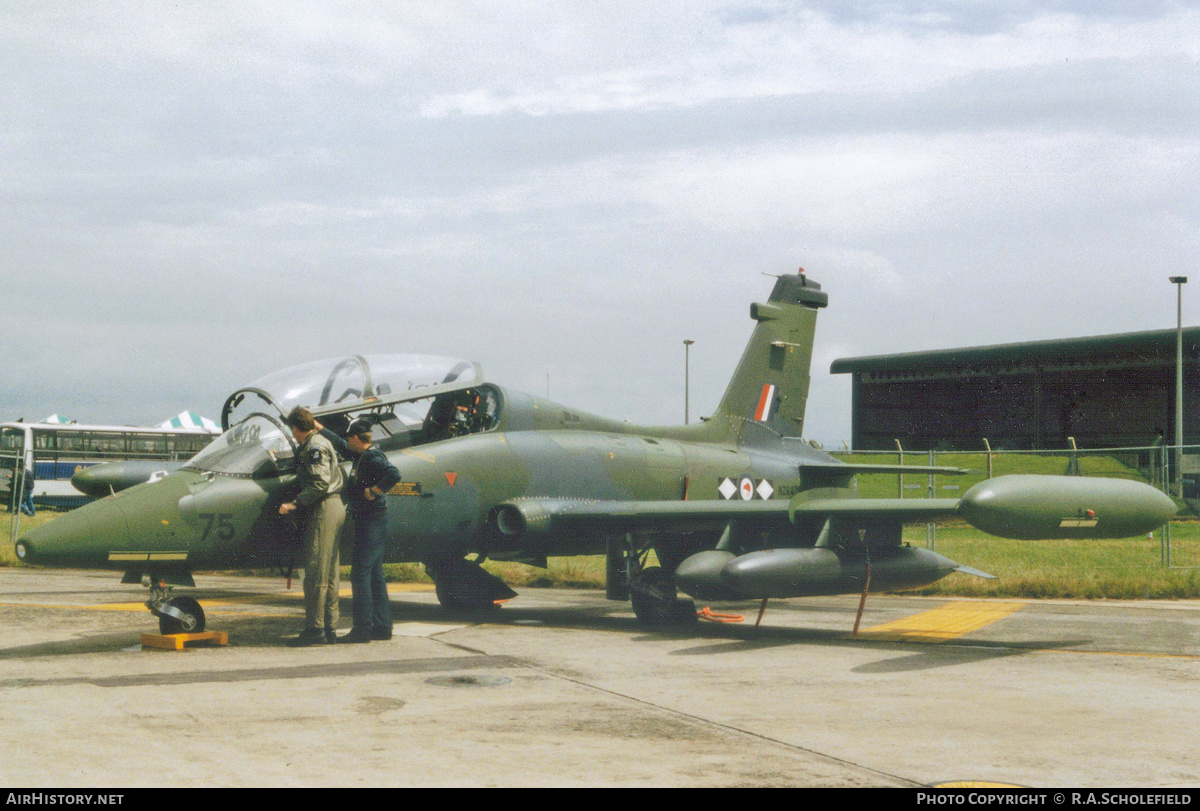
(186, 213)
(981, 17)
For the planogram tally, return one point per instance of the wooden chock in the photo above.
(180, 641)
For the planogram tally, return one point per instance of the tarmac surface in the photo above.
(563, 688)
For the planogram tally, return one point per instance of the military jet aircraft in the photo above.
(735, 507)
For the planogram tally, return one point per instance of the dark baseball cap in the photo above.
(360, 428)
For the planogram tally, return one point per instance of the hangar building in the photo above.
(1106, 391)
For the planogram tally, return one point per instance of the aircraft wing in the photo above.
(846, 467)
(521, 516)
(1019, 506)
(665, 512)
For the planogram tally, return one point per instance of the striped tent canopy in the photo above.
(190, 421)
(54, 419)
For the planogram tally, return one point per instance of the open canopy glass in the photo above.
(412, 399)
(354, 383)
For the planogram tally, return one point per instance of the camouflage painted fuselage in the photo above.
(443, 505)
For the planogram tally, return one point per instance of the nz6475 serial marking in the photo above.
(736, 507)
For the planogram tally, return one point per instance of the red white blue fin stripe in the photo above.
(765, 401)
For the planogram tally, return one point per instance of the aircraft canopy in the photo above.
(398, 390)
(259, 445)
(357, 383)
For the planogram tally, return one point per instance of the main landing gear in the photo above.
(651, 589)
(462, 585)
(656, 601)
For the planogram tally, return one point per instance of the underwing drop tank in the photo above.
(810, 571)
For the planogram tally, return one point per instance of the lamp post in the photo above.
(1179, 282)
(687, 346)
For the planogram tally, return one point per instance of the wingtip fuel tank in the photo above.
(1029, 507)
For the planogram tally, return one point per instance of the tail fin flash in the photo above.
(770, 385)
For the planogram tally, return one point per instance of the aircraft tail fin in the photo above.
(770, 386)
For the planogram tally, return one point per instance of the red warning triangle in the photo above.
(450, 477)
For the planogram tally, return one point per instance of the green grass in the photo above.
(8, 557)
(1128, 568)
(405, 573)
(583, 572)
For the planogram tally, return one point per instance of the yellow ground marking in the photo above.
(936, 626)
(402, 587)
(295, 594)
(114, 607)
(941, 624)
(207, 605)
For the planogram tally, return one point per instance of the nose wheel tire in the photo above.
(180, 615)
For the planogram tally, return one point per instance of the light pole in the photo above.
(687, 346)
(1179, 282)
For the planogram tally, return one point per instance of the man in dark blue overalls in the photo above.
(370, 478)
(27, 500)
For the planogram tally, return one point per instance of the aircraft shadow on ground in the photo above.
(712, 638)
(932, 656)
(80, 644)
(274, 629)
(917, 654)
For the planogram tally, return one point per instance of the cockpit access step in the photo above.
(180, 641)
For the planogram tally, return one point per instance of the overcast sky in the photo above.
(195, 194)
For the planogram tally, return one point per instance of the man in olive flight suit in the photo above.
(322, 516)
(365, 496)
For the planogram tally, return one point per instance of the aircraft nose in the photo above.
(82, 537)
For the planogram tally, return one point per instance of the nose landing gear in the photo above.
(180, 615)
(176, 615)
